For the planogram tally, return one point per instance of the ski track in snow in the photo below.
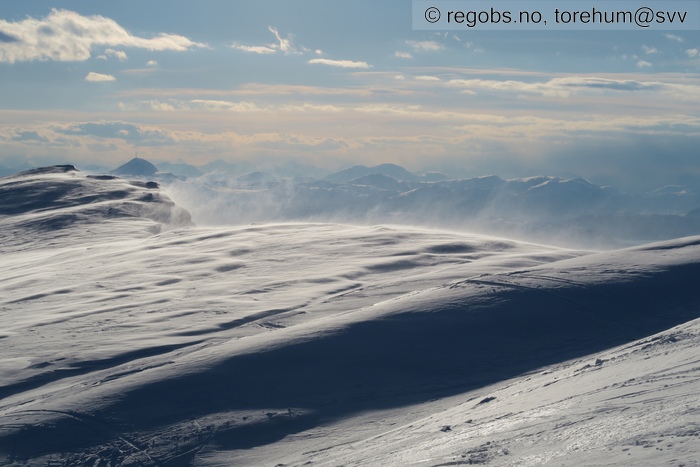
(131, 338)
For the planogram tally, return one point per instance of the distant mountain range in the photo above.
(564, 211)
(390, 170)
(567, 211)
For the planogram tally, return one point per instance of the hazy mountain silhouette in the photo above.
(391, 170)
(136, 166)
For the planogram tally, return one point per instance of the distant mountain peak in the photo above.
(357, 171)
(136, 166)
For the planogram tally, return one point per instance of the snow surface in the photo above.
(131, 337)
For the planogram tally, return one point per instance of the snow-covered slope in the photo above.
(636, 404)
(38, 206)
(272, 344)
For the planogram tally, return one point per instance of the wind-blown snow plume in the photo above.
(552, 210)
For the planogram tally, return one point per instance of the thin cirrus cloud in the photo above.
(427, 78)
(286, 46)
(283, 45)
(99, 77)
(339, 63)
(257, 49)
(68, 36)
(218, 105)
(561, 87)
(261, 89)
(425, 46)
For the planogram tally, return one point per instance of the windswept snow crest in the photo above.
(45, 201)
(328, 343)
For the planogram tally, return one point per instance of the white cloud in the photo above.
(564, 87)
(159, 106)
(649, 50)
(692, 53)
(425, 46)
(673, 37)
(310, 108)
(68, 36)
(508, 86)
(339, 63)
(153, 104)
(209, 104)
(285, 45)
(259, 89)
(99, 77)
(643, 64)
(258, 49)
(400, 54)
(591, 82)
(119, 54)
(427, 78)
(152, 63)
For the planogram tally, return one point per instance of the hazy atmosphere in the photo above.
(338, 83)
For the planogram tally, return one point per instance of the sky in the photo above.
(336, 83)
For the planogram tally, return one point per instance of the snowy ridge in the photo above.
(46, 200)
(332, 344)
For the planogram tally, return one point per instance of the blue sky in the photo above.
(336, 83)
